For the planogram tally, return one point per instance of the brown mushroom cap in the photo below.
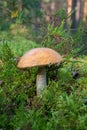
(39, 57)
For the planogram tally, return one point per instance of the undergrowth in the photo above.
(63, 105)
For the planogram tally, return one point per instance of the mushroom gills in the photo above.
(41, 79)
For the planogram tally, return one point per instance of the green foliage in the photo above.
(57, 110)
(64, 41)
(62, 14)
(17, 44)
(61, 106)
(58, 39)
(19, 12)
(17, 86)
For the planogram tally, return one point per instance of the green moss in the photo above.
(63, 103)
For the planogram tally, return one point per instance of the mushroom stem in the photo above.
(41, 79)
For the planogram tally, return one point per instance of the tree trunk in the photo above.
(19, 5)
(73, 17)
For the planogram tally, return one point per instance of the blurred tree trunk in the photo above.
(37, 18)
(19, 5)
(52, 6)
(73, 17)
(84, 13)
(77, 13)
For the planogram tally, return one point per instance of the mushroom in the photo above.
(39, 57)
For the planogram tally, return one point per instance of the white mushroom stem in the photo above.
(41, 80)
